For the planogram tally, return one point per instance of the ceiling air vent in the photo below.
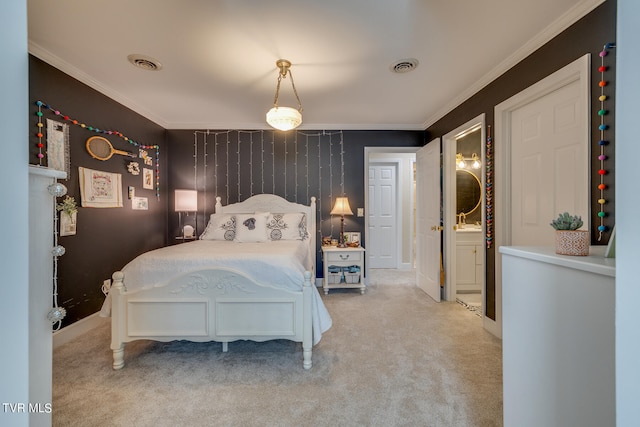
(145, 62)
(404, 65)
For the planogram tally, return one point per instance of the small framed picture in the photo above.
(352, 238)
(147, 179)
(140, 203)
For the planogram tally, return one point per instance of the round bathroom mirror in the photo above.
(468, 192)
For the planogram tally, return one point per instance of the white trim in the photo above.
(578, 70)
(78, 328)
(556, 27)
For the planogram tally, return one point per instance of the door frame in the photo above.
(449, 204)
(577, 70)
(391, 151)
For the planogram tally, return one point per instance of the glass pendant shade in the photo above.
(284, 118)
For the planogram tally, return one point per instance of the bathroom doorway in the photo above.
(463, 214)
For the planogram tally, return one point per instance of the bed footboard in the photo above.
(221, 305)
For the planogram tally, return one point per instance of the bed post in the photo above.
(312, 243)
(307, 329)
(218, 208)
(117, 319)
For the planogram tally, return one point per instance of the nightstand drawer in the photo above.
(354, 256)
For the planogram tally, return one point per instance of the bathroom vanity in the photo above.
(469, 259)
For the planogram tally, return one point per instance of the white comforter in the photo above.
(279, 264)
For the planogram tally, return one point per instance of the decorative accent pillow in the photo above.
(220, 227)
(251, 227)
(288, 226)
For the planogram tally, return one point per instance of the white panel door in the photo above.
(428, 227)
(382, 244)
(549, 161)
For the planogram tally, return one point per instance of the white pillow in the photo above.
(287, 226)
(220, 227)
(251, 227)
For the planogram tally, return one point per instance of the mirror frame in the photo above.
(477, 180)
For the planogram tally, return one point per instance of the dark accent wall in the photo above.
(295, 165)
(588, 35)
(106, 239)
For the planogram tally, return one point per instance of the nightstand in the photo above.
(343, 268)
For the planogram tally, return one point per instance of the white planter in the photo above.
(68, 223)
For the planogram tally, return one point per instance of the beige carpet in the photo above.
(393, 357)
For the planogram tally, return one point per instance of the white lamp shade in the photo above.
(341, 207)
(186, 200)
(284, 118)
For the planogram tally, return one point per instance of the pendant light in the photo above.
(284, 118)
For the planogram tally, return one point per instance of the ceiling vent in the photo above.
(404, 65)
(145, 62)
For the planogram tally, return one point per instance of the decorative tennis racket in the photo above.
(100, 148)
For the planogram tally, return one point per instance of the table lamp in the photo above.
(341, 208)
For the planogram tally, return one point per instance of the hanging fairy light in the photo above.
(56, 313)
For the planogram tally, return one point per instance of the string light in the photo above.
(40, 134)
(226, 143)
(56, 313)
(66, 118)
(603, 128)
(488, 164)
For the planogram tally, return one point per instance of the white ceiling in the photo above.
(219, 56)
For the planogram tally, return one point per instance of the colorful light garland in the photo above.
(66, 118)
(40, 133)
(488, 162)
(603, 127)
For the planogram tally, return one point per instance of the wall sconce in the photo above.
(185, 201)
(461, 162)
(284, 118)
(475, 161)
(341, 208)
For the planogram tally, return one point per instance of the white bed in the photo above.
(226, 287)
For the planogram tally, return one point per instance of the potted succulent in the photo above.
(569, 239)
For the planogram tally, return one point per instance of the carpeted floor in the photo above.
(393, 357)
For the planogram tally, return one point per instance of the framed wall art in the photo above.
(140, 204)
(100, 189)
(147, 179)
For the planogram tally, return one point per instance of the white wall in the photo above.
(627, 208)
(14, 297)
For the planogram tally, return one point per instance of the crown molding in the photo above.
(62, 65)
(556, 27)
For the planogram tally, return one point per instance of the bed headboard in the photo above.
(276, 204)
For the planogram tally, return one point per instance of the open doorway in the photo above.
(463, 214)
(399, 160)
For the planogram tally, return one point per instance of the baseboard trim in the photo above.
(78, 328)
(492, 326)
